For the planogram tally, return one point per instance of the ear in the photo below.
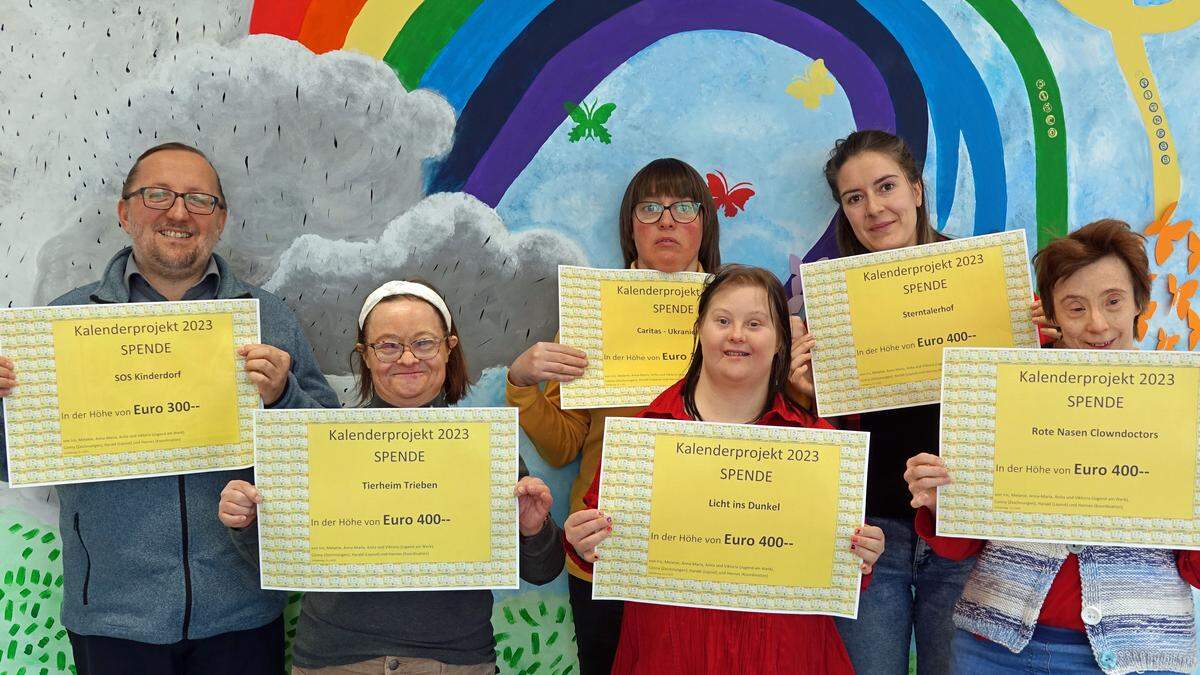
(451, 343)
(221, 215)
(123, 214)
(919, 192)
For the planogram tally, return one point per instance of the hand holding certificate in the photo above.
(387, 498)
(731, 516)
(635, 327)
(881, 320)
(128, 390)
(1086, 446)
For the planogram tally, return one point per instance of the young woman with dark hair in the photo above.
(739, 373)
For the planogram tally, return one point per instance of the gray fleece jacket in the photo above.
(146, 559)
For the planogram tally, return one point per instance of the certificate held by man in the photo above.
(387, 499)
(731, 516)
(634, 325)
(1079, 446)
(128, 390)
(881, 320)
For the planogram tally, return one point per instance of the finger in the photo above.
(560, 358)
(233, 509)
(7, 363)
(866, 568)
(797, 325)
(262, 365)
(257, 351)
(861, 543)
(556, 377)
(232, 521)
(582, 516)
(566, 350)
(924, 458)
(258, 379)
(584, 530)
(926, 484)
(925, 471)
(562, 369)
(249, 490)
(593, 540)
(239, 498)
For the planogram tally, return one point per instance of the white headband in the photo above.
(394, 288)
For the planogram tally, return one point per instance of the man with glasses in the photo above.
(152, 582)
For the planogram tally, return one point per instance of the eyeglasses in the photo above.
(162, 199)
(649, 213)
(422, 348)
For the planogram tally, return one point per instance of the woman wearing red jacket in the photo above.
(739, 374)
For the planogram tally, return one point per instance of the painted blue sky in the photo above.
(728, 110)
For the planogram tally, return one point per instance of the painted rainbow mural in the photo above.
(506, 66)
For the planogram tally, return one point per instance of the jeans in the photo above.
(255, 651)
(1057, 651)
(911, 588)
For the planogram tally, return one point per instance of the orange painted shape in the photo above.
(1167, 233)
(1181, 294)
(327, 22)
(1166, 342)
(1193, 252)
(1143, 320)
(1193, 323)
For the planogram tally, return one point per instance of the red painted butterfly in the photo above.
(731, 199)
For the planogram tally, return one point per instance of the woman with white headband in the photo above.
(407, 355)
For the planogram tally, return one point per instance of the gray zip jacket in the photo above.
(147, 559)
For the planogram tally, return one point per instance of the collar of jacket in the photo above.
(112, 286)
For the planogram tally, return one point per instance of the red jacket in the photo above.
(670, 639)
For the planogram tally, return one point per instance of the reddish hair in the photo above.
(1067, 255)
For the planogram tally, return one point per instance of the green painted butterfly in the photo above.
(589, 121)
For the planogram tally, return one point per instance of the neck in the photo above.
(171, 288)
(397, 402)
(733, 402)
(693, 266)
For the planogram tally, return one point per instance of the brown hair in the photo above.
(892, 147)
(670, 176)
(1103, 238)
(458, 382)
(732, 276)
(129, 177)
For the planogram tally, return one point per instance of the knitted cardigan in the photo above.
(1137, 610)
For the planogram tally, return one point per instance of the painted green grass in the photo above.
(33, 641)
(535, 635)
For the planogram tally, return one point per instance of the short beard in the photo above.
(172, 270)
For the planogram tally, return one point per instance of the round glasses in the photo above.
(422, 348)
(162, 199)
(649, 213)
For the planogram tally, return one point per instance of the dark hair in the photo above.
(894, 148)
(129, 177)
(1103, 238)
(670, 176)
(732, 276)
(458, 382)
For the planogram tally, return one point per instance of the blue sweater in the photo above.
(146, 559)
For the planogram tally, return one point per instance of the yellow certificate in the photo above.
(636, 327)
(387, 499)
(128, 390)
(731, 516)
(1065, 445)
(881, 320)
